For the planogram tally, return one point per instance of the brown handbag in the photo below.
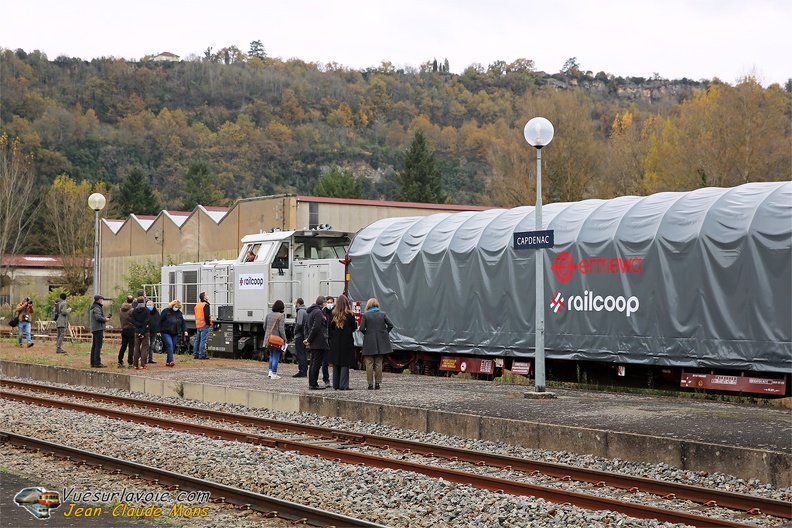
(274, 341)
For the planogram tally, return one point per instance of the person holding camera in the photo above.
(98, 322)
(25, 317)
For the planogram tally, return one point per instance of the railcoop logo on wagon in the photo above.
(565, 267)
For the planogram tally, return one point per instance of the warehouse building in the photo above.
(209, 233)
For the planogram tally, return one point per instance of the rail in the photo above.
(295, 512)
(747, 503)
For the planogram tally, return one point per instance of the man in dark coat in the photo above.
(140, 319)
(328, 313)
(98, 321)
(299, 337)
(316, 339)
(127, 331)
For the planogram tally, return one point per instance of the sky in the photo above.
(696, 39)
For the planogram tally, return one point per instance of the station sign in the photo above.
(534, 239)
(521, 367)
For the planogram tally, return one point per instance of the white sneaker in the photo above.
(269, 374)
(275, 376)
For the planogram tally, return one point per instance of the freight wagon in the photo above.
(691, 287)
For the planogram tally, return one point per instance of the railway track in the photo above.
(270, 506)
(337, 445)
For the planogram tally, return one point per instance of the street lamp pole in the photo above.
(538, 133)
(96, 202)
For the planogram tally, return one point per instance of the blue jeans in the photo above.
(274, 359)
(199, 348)
(24, 329)
(170, 342)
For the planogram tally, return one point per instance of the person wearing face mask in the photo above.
(327, 311)
(171, 326)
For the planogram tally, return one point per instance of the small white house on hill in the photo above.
(166, 56)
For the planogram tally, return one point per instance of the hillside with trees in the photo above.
(230, 125)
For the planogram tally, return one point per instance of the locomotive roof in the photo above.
(283, 235)
(762, 209)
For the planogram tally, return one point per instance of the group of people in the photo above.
(139, 320)
(141, 324)
(327, 329)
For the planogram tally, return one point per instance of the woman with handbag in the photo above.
(275, 336)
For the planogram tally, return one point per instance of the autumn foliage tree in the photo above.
(70, 223)
(265, 125)
(17, 199)
(722, 137)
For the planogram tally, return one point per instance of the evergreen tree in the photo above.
(339, 183)
(136, 196)
(201, 187)
(257, 50)
(420, 180)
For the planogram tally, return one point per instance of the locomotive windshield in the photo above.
(313, 247)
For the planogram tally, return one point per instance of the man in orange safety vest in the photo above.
(203, 322)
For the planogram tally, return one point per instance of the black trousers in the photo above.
(340, 377)
(316, 365)
(152, 340)
(302, 355)
(127, 340)
(96, 348)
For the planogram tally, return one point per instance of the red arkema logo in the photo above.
(565, 266)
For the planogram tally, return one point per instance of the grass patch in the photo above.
(513, 379)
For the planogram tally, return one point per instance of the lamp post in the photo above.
(96, 202)
(538, 133)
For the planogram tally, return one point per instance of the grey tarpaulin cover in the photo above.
(692, 279)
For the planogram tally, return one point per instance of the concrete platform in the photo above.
(742, 440)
